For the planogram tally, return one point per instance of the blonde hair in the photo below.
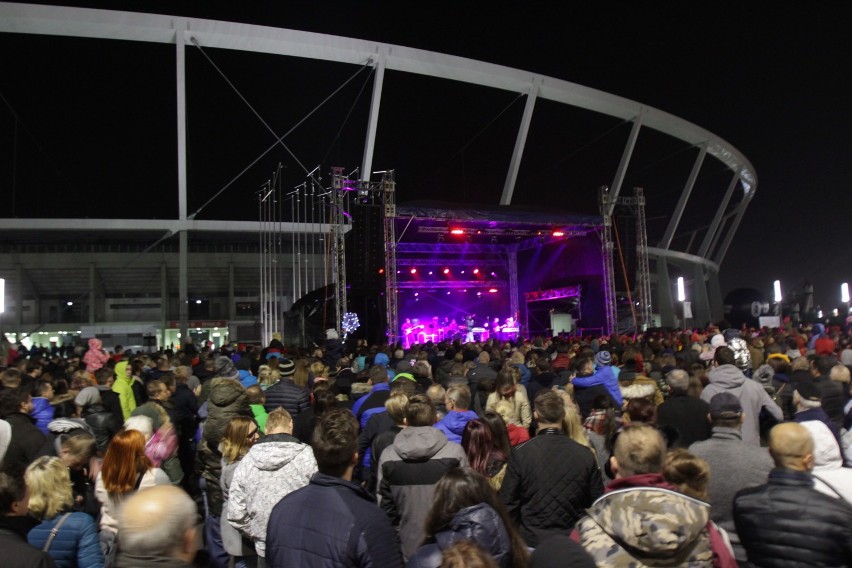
(49, 485)
(278, 418)
(688, 472)
(840, 373)
(397, 406)
(505, 409)
(573, 425)
(319, 369)
(235, 440)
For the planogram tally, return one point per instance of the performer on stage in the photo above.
(469, 322)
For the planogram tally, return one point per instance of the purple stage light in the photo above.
(476, 271)
(446, 271)
(414, 271)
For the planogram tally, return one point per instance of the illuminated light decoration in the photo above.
(381, 270)
(196, 301)
(558, 233)
(777, 288)
(492, 290)
(446, 271)
(456, 231)
(69, 303)
(414, 271)
(844, 292)
(681, 291)
(349, 324)
(476, 271)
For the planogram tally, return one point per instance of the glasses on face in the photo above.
(252, 434)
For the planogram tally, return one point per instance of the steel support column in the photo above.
(164, 303)
(665, 300)
(183, 287)
(720, 255)
(615, 189)
(19, 301)
(714, 225)
(684, 197)
(701, 299)
(373, 120)
(520, 142)
(514, 300)
(232, 308)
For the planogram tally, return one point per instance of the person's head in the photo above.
(505, 385)
(421, 411)
(49, 485)
(725, 411)
(460, 488)
(549, 409)
(163, 363)
(484, 358)
(279, 421)
(223, 367)
(378, 374)
(791, 446)
(76, 451)
(324, 400)
(397, 407)
(142, 424)
(806, 396)
(678, 381)
(157, 390)
(640, 410)
(105, 376)
(824, 363)
(14, 400)
(689, 473)
(254, 394)
(478, 443)
(10, 378)
(335, 443)
(240, 435)
(124, 460)
(458, 398)
(499, 430)
(640, 448)
(182, 373)
(840, 374)
(159, 521)
(43, 389)
(14, 500)
(724, 356)
(467, 554)
(170, 382)
(437, 393)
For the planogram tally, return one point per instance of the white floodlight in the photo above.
(777, 286)
(681, 291)
(844, 292)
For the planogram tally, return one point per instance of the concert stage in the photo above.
(477, 273)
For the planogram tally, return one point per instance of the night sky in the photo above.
(96, 134)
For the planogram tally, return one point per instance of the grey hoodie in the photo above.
(753, 397)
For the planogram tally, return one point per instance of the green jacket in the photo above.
(123, 386)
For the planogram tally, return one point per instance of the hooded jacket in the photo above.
(480, 524)
(42, 412)
(76, 543)
(275, 466)
(408, 471)
(452, 425)
(95, 357)
(123, 387)
(616, 530)
(752, 396)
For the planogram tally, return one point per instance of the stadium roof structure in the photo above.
(692, 219)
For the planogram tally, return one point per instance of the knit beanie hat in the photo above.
(286, 367)
(603, 359)
(224, 367)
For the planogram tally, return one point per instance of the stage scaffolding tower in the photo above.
(339, 245)
(636, 204)
(389, 200)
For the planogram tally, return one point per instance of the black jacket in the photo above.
(26, 445)
(549, 483)
(330, 523)
(103, 424)
(285, 393)
(788, 523)
(687, 415)
(833, 398)
(17, 552)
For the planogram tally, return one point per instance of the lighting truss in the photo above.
(449, 285)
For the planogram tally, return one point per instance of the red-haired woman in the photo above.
(125, 470)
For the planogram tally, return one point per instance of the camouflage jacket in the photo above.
(637, 527)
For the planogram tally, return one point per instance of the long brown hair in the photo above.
(125, 459)
(463, 487)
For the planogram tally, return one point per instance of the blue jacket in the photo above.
(42, 412)
(247, 379)
(602, 376)
(76, 544)
(330, 523)
(452, 425)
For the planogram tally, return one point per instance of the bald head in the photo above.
(159, 521)
(792, 446)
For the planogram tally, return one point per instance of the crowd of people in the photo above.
(713, 447)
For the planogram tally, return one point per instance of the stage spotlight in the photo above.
(462, 271)
(492, 290)
(479, 293)
(381, 270)
(416, 294)
(494, 274)
(414, 271)
(558, 233)
(446, 271)
(399, 271)
(430, 273)
(456, 231)
(476, 271)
